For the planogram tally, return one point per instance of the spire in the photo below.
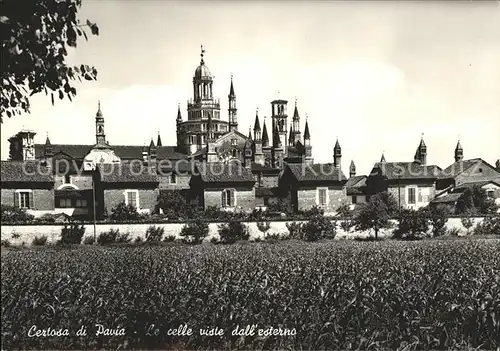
(497, 164)
(337, 146)
(422, 143)
(256, 126)
(352, 169)
(416, 158)
(48, 150)
(459, 152)
(99, 112)
(307, 136)
(290, 135)
(231, 89)
(265, 137)
(47, 140)
(277, 139)
(158, 142)
(296, 111)
(337, 154)
(382, 159)
(179, 116)
(152, 143)
(202, 62)
(422, 151)
(250, 133)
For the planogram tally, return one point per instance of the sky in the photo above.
(376, 75)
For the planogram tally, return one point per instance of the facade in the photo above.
(356, 187)
(413, 184)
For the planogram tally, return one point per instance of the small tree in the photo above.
(124, 212)
(232, 232)
(467, 222)
(437, 218)
(72, 234)
(154, 233)
(294, 230)
(375, 214)
(195, 231)
(318, 227)
(12, 214)
(264, 226)
(345, 216)
(175, 205)
(411, 224)
(475, 200)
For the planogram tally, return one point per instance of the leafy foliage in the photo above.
(175, 205)
(425, 295)
(232, 232)
(36, 37)
(412, 224)
(39, 240)
(317, 228)
(12, 214)
(195, 231)
(264, 226)
(437, 218)
(72, 234)
(154, 233)
(490, 225)
(124, 212)
(346, 219)
(113, 236)
(475, 201)
(375, 214)
(467, 222)
(295, 230)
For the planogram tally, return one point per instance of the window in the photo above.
(81, 203)
(173, 178)
(132, 198)
(491, 193)
(412, 196)
(480, 170)
(228, 198)
(322, 196)
(354, 199)
(67, 179)
(24, 199)
(64, 202)
(233, 142)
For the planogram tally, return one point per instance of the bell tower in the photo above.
(279, 120)
(100, 136)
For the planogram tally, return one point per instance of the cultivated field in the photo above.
(331, 295)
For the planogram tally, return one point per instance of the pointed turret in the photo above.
(256, 127)
(307, 144)
(99, 125)
(48, 150)
(290, 136)
(459, 152)
(250, 133)
(277, 140)
(382, 159)
(232, 111)
(422, 151)
(295, 127)
(352, 169)
(179, 116)
(416, 158)
(231, 88)
(497, 164)
(307, 136)
(265, 137)
(337, 154)
(158, 142)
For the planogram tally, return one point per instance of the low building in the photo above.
(29, 185)
(356, 187)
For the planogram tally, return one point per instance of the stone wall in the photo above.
(17, 235)
(147, 198)
(43, 199)
(307, 198)
(245, 197)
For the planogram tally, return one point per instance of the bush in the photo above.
(169, 238)
(11, 214)
(232, 232)
(138, 240)
(175, 205)
(411, 224)
(490, 225)
(39, 240)
(467, 222)
(345, 216)
(6, 243)
(264, 226)
(195, 231)
(124, 212)
(295, 230)
(375, 213)
(88, 240)
(72, 234)
(319, 227)
(453, 231)
(113, 236)
(154, 233)
(437, 218)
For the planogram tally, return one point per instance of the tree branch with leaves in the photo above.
(35, 41)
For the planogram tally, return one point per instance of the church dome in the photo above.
(202, 71)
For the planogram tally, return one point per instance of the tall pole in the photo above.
(94, 215)
(399, 194)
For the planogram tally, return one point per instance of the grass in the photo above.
(428, 294)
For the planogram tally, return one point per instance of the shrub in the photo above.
(39, 240)
(11, 214)
(6, 243)
(319, 227)
(138, 239)
(375, 213)
(233, 231)
(453, 231)
(88, 240)
(490, 225)
(467, 222)
(437, 218)
(264, 226)
(113, 236)
(169, 238)
(16, 235)
(274, 237)
(72, 234)
(124, 212)
(345, 216)
(154, 233)
(295, 230)
(175, 205)
(411, 224)
(214, 240)
(475, 200)
(195, 231)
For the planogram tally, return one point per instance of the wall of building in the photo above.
(426, 189)
(147, 198)
(81, 182)
(244, 197)
(307, 197)
(43, 199)
(182, 182)
(477, 173)
(269, 181)
(360, 199)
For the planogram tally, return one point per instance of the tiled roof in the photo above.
(257, 167)
(446, 198)
(476, 183)
(25, 171)
(73, 193)
(356, 185)
(179, 166)
(224, 173)
(458, 167)
(261, 192)
(316, 172)
(127, 152)
(405, 170)
(127, 172)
